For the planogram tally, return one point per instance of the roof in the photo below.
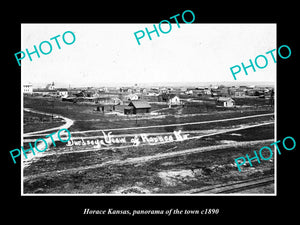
(49, 85)
(225, 99)
(139, 104)
(43, 90)
(61, 89)
(69, 97)
(173, 96)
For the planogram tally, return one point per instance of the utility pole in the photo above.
(52, 108)
(136, 118)
(52, 101)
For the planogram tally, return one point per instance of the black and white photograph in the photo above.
(149, 111)
(163, 117)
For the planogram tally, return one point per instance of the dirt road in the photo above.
(69, 123)
(145, 159)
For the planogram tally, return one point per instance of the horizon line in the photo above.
(163, 83)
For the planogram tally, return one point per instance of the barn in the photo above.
(135, 107)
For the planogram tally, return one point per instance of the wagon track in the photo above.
(159, 143)
(177, 124)
(234, 187)
(144, 159)
(38, 133)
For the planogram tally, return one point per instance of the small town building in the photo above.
(174, 100)
(27, 89)
(62, 92)
(128, 110)
(124, 89)
(132, 97)
(189, 92)
(239, 93)
(135, 107)
(152, 94)
(50, 86)
(223, 91)
(206, 91)
(225, 102)
(105, 107)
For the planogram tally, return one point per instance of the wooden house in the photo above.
(225, 102)
(136, 107)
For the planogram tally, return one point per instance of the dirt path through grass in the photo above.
(68, 124)
(177, 124)
(145, 159)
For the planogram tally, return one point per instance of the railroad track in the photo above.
(234, 187)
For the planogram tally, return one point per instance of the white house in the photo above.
(50, 86)
(189, 92)
(132, 97)
(174, 100)
(226, 102)
(62, 92)
(152, 94)
(207, 91)
(27, 88)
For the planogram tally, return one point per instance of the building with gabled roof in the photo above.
(174, 100)
(132, 97)
(135, 107)
(225, 102)
(50, 86)
(62, 92)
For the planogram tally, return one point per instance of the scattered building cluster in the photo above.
(138, 100)
(49, 90)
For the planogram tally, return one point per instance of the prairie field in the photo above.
(159, 162)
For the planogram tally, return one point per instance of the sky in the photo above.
(109, 53)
